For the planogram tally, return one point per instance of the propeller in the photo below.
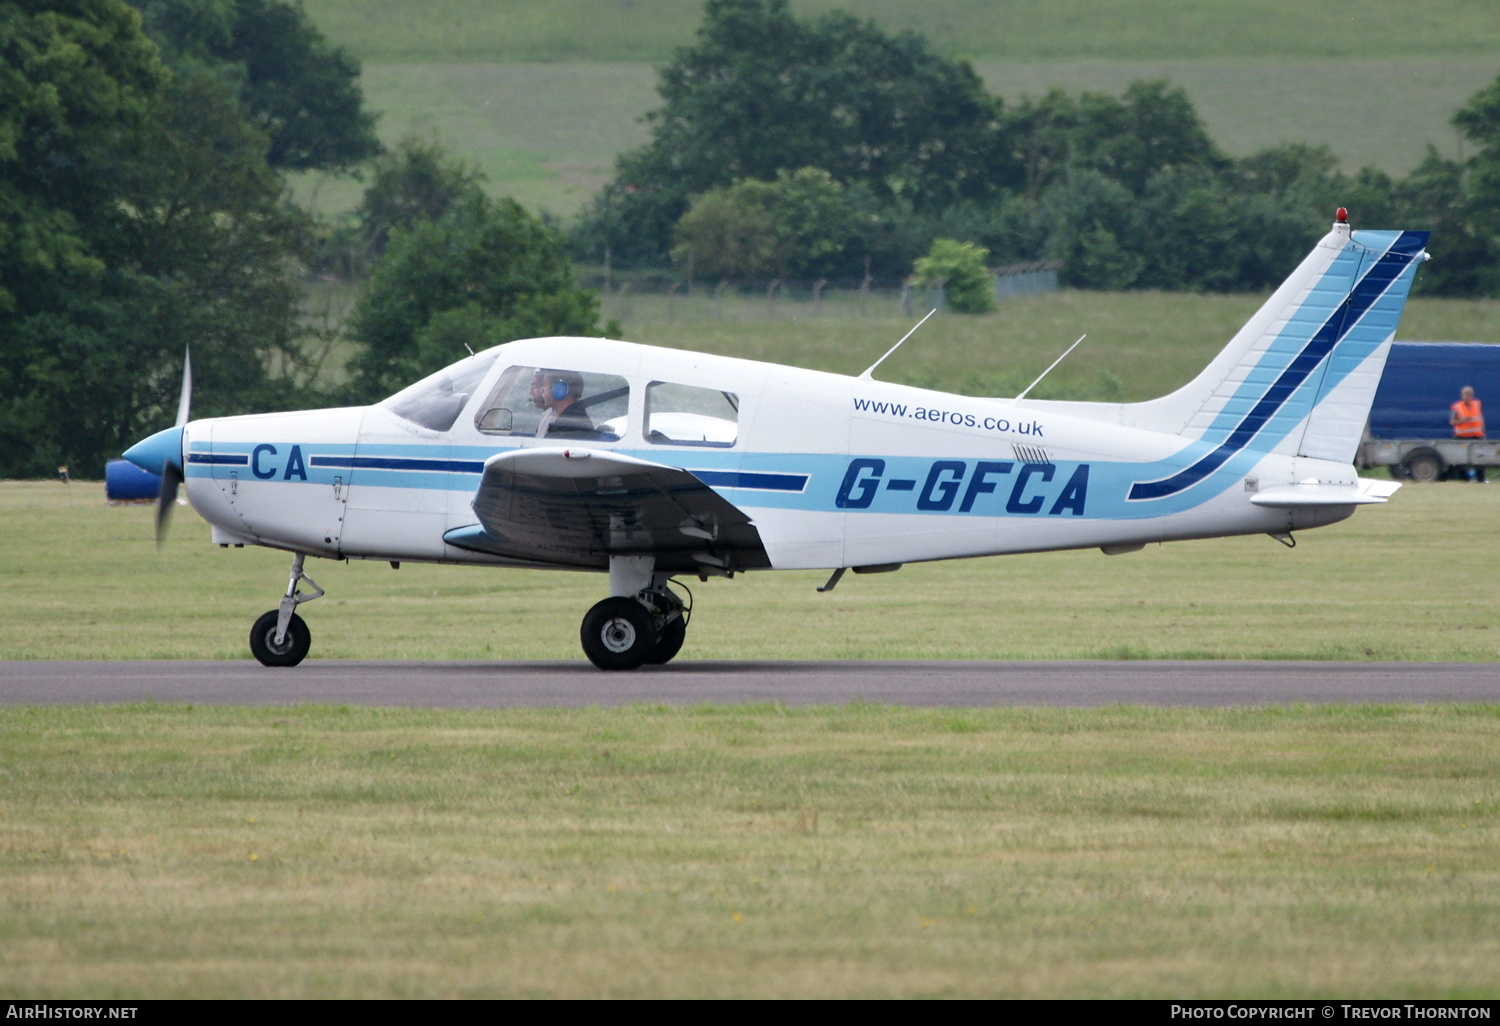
(171, 470)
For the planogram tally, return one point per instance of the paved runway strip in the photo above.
(567, 683)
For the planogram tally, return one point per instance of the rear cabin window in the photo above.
(688, 415)
(558, 403)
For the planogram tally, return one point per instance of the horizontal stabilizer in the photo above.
(1309, 494)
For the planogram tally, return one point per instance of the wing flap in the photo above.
(577, 507)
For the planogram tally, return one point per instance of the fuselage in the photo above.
(834, 471)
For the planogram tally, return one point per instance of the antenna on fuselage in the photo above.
(871, 369)
(1044, 373)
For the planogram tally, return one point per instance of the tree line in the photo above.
(145, 144)
(144, 148)
(819, 148)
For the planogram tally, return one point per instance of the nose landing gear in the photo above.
(280, 637)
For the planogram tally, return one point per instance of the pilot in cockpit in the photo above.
(556, 394)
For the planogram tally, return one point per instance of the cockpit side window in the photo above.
(689, 415)
(553, 402)
(436, 401)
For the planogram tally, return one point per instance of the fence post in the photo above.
(771, 298)
(719, 300)
(671, 309)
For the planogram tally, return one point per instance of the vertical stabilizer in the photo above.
(1299, 377)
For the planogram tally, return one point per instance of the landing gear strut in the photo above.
(280, 637)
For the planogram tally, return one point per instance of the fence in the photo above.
(645, 298)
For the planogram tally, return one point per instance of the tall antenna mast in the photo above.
(1055, 362)
(871, 369)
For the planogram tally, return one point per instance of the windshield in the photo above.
(436, 401)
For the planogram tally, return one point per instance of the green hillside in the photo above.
(541, 94)
(444, 31)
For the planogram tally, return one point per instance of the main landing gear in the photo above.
(280, 637)
(642, 622)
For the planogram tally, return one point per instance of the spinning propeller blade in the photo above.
(171, 471)
(184, 401)
(171, 477)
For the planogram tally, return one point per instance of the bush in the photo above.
(959, 268)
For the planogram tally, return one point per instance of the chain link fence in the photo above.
(661, 298)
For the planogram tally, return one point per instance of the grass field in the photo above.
(1141, 343)
(542, 96)
(170, 852)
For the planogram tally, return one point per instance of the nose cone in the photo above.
(155, 453)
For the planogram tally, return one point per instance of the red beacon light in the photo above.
(1341, 215)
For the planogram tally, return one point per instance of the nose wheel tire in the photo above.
(293, 647)
(618, 634)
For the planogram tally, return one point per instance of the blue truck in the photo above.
(1409, 431)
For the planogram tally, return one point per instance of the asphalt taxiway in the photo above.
(576, 683)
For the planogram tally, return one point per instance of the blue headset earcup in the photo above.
(559, 389)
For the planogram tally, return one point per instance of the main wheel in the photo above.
(673, 634)
(293, 647)
(618, 634)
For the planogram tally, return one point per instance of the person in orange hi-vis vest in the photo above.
(1467, 418)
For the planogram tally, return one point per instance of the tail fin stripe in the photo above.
(1385, 272)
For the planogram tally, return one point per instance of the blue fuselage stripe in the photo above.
(760, 482)
(399, 463)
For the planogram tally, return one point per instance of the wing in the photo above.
(577, 507)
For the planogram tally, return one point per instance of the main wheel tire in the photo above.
(293, 647)
(618, 634)
(1423, 465)
(673, 634)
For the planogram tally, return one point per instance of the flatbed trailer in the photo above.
(1429, 459)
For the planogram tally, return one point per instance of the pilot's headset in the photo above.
(561, 384)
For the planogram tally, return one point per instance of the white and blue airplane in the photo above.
(650, 464)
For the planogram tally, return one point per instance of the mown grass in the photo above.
(863, 851)
(1140, 344)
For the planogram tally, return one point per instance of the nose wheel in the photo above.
(290, 650)
(280, 637)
